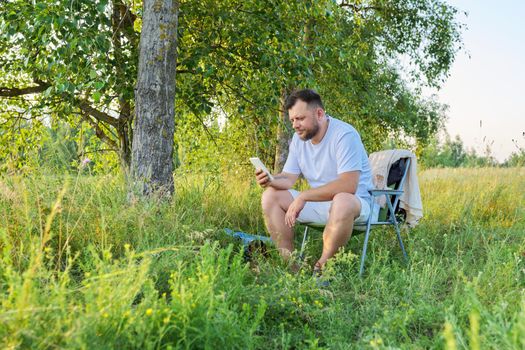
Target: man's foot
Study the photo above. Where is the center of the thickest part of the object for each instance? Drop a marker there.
(317, 271)
(294, 267)
(318, 276)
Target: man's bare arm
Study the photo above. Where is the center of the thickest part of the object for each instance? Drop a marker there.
(346, 182)
(281, 181)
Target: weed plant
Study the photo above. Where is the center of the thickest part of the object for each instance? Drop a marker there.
(84, 266)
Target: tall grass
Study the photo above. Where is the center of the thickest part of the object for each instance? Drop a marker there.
(83, 267)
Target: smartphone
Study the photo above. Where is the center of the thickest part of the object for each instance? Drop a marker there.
(259, 165)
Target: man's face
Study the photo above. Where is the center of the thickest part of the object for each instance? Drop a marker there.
(304, 120)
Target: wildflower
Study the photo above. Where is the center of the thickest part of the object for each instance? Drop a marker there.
(149, 312)
(376, 342)
(127, 246)
(166, 320)
(85, 162)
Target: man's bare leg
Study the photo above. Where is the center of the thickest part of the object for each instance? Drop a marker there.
(345, 209)
(275, 203)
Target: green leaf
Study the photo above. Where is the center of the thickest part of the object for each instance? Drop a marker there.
(101, 7)
(96, 96)
(47, 92)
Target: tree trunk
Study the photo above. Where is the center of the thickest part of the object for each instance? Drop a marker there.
(152, 154)
(122, 23)
(124, 132)
(284, 135)
(285, 131)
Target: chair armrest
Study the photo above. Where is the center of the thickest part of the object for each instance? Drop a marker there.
(388, 192)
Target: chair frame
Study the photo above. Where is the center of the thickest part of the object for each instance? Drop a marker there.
(390, 221)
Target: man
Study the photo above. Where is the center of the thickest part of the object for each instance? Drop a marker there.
(331, 157)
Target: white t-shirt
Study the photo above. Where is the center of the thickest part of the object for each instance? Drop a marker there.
(339, 151)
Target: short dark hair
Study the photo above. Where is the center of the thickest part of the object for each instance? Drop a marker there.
(309, 96)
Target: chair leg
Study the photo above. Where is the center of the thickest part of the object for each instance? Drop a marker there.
(365, 245)
(398, 232)
(303, 245)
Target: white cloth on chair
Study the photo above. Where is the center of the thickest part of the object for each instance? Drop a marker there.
(410, 200)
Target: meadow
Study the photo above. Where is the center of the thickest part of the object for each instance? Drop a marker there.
(84, 266)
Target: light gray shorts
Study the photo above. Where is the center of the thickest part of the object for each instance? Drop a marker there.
(318, 212)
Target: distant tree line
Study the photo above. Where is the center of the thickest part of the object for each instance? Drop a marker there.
(452, 153)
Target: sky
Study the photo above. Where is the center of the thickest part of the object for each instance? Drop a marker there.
(486, 87)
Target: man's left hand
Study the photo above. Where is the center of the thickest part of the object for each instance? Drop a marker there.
(293, 211)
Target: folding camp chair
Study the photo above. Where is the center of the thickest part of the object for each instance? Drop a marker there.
(386, 216)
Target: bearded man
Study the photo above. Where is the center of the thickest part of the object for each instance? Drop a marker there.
(331, 157)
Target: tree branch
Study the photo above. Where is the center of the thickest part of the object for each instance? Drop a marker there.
(13, 92)
(99, 132)
(356, 8)
(125, 18)
(210, 135)
(85, 106)
(99, 150)
(238, 93)
(95, 113)
(182, 71)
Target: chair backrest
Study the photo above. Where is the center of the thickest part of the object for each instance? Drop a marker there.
(396, 172)
(401, 183)
(390, 169)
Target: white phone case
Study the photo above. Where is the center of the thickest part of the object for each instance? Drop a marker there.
(259, 165)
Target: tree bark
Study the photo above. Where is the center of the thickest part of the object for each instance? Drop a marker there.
(152, 153)
(125, 135)
(285, 131)
(122, 20)
(284, 135)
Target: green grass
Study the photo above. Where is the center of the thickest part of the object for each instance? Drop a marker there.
(84, 267)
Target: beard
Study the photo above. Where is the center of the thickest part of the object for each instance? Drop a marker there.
(309, 134)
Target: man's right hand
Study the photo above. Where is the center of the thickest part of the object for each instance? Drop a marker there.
(262, 178)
